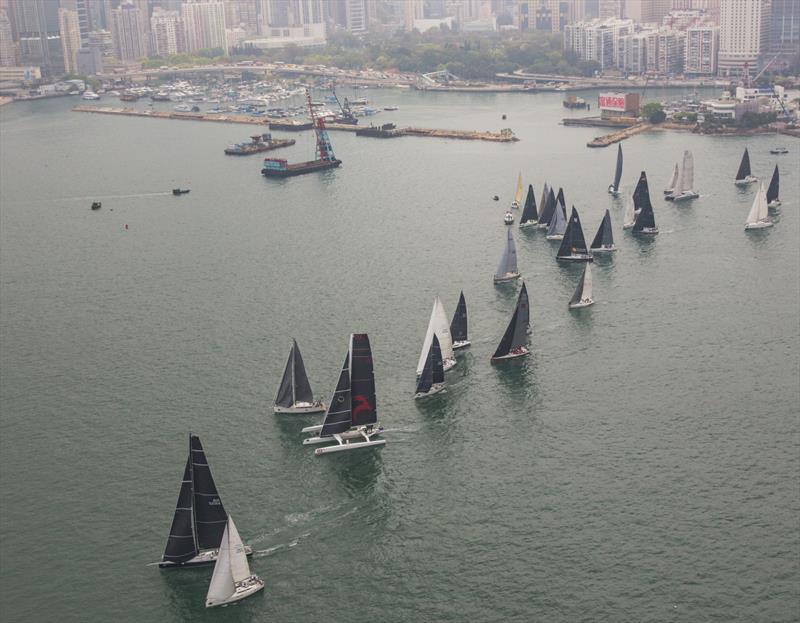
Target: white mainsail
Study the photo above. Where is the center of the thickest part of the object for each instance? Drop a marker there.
(518, 195)
(687, 173)
(440, 325)
(222, 582)
(673, 180)
(759, 209)
(587, 283)
(238, 557)
(629, 218)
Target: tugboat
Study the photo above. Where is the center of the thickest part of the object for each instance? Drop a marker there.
(573, 102)
(257, 144)
(325, 159)
(179, 191)
(127, 96)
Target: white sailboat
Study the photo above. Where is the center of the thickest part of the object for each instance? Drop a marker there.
(507, 268)
(583, 293)
(684, 189)
(518, 194)
(439, 326)
(673, 181)
(758, 218)
(232, 580)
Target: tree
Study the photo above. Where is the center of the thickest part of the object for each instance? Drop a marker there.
(653, 112)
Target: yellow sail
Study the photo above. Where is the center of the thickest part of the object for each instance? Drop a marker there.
(518, 196)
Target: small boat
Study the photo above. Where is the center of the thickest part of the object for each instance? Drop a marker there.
(514, 340)
(508, 217)
(613, 188)
(684, 188)
(645, 223)
(583, 293)
(507, 268)
(758, 218)
(438, 326)
(673, 181)
(774, 188)
(90, 95)
(529, 216)
(179, 191)
(558, 223)
(200, 517)
(547, 211)
(574, 102)
(294, 392)
(573, 246)
(778, 151)
(496, 198)
(182, 108)
(629, 216)
(431, 381)
(743, 175)
(458, 325)
(390, 108)
(231, 580)
(604, 238)
(96, 205)
(517, 193)
(351, 418)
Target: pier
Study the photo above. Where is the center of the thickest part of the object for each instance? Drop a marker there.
(621, 135)
(503, 136)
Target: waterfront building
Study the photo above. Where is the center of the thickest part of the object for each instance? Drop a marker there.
(81, 8)
(127, 33)
(69, 32)
(204, 24)
(167, 33)
(632, 51)
(351, 15)
(743, 35)
(670, 52)
(598, 39)
(702, 48)
(20, 75)
(9, 54)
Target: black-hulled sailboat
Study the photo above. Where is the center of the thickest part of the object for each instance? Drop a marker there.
(573, 246)
(514, 340)
(351, 418)
(529, 215)
(294, 392)
(773, 201)
(613, 188)
(583, 292)
(548, 209)
(431, 381)
(744, 175)
(200, 518)
(507, 268)
(458, 327)
(645, 222)
(604, 238)
(558, 223)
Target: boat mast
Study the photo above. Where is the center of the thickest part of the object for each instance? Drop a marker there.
(324, 151)
(294, 347)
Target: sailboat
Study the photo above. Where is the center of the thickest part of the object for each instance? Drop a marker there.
(774, 188)
(560, 200)
(558, 224)
(641, 191)
(613, 188)
(673, 181)
(573, 246)
(543, 199)
(507, 268)
(629, 216)
(351, 418)
(604, 238)
(549, 206)
(200, 518)
(458, 326)
(645, 222)
(684, 189)
(431, 381)
(232, 580)
(743, 175)
(294, 392)
(758, 218)
(529, 216)
(508, 217)
(514, 339)
(583, 293)
(518, 193)
(437, 325)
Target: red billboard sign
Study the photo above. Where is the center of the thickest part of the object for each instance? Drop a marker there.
(611, 101)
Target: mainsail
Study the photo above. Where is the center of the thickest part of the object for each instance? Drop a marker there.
(560, 200)
(548, 209)
(337, 417)
(673, 181)
(508, 261)
(433, 372)
(558, 223)
(438, 325)
(209, 514)
(529, 211)
(543, 200)
(629, 217)
(645, 219)
(584, 289)
(618, 170)
(641, 193)
(573, 242)
(604, 236)
(458, 326)
(285, 397)
(759, 210)
(362, 381)
(294, 385)
(516, 334)
(182, 543)
(744, 166)
(518, 193)
(774, 186)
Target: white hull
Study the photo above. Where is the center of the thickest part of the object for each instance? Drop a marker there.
(556, 237)
(581, 257)
(435, 389)
(514, 205)
(244, 589)
(354, 433)
(778, 152)
(506, 277)
(508, 221)
(612, 192)
(206, 557)
(461, 344)
(627, 225)
(311, 429)
(748, 180)
(758, 225)
(529, 224)
(774, 204)
(349, 446)
(603, 249)
(521, 353)
(647, 231)
(580, 304)
(689, 194)
(449, 364)
(302, 407)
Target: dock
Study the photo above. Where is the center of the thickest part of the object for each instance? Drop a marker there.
(503, 136)
(616, 137)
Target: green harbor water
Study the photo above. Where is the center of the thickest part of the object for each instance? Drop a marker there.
(641, 465)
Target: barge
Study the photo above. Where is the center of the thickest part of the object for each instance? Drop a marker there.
(257, 144)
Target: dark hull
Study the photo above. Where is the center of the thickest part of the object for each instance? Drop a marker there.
(257, 149)
(302, 167)
(291, 127)
(378, 133)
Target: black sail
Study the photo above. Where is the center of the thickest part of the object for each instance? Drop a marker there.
(618, 171)
(578, 295)
(549, 208)
(560, 200)
(302, 388)
(529, 211)
(516, 333)
(774, 186)
(285, 397)
(209, 514)
(744, 166)
(181, 543)
(604, 236)
(642, 192)
(646, 218)
(543, 200)
(337, 417)
(433, 372)
(458, 327)
(362, 381)
(573, 241)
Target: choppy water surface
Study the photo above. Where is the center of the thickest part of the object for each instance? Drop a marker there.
(641, 465)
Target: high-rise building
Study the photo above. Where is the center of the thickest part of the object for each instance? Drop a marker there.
(785, 35)
(36, 27)
(702, 48)
(549, 15)
(743, 35)
(632, 52)
(709, 7)
(8, 48)
(670, 51)
(647, 11)
(167, 33)
(412, 10)
(127, 33)
(70, 35)
(597, 40)
(356, 19)
(610, 8)
(204, 23)
(81, 7)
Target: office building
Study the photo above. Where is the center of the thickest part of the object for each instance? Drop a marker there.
(127, 33)
(167, 33)
(69, 32)
(785, 31)
(743, 35)
(35, 24)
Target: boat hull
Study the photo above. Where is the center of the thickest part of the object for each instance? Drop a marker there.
(746, 181)
(604, 249)
(349, 446)
(206, 557)
(513, 355)
(579, 257)
(581, 304)
(301, 168)
(249, 587)
(449, 364)
(506, 278)
(354, 433)
(684, 196)
(555, 237)
(647, 231)
(461, 344)
(774, 204)
(302, 407)
(528, 224)
(435, 389)
(759, 225)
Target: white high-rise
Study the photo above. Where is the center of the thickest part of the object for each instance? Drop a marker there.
(743, 35)
(702, 48)
(204, 22)
(166, 28)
